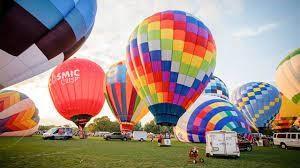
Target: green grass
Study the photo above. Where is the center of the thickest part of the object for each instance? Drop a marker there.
(94, 152)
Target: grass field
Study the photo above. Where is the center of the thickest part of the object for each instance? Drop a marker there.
(94, 152)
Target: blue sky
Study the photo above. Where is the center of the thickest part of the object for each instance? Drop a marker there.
(251, 43)
(252, 37)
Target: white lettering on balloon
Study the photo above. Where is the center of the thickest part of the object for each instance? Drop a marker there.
(67, 77)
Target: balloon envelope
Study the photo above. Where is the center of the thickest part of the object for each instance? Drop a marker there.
(122, 97)
(18, 114)
(289, 111)
(38, 35)
(170, 58)
(288, 76)
(76, 88)
(209, 113)
(258, 101)
(216, 87)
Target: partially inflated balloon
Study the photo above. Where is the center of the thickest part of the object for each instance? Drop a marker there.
(76, 88)
(36, 35)
(287, 115)
(170, 58)
(209, 113)
(18, 114)
(259, 102)
(122, 97)
(297, 122)
(288, 76)
(216, 87)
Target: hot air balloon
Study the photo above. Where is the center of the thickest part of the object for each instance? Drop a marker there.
(216, 87)
(258, 101)
(288, 76)
(171, 56)
(297, 122)
(122, 98)
(209, 113)
(287, 115)
(38, 35)
(18, 114)
(76, 89)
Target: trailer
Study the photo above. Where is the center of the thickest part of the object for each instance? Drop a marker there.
(140, 135)
(222, 143)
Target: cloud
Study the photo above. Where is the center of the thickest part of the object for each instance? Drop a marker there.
(252, 32)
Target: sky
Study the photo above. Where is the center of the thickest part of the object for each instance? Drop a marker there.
(252, 37)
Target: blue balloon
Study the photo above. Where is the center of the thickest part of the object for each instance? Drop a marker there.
(216, 87)
(258, 101)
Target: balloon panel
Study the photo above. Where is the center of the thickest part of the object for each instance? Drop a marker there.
(18, 114)
(209, 113)
(287, 115)
(76, 88)
(50, 32)
(216, 87)
(170, 58)
(288, 76)
(122, 97)
(258, 101)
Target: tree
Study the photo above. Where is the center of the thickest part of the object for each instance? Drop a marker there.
(91, 128)
(103, 124)
(152, 127)
(45, 127)
(138, 127)
(156, 129)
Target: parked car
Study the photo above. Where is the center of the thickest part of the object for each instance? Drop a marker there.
(58, 133)
(244, 144)
(140, 135)
(288, 139)
(222, 143)
(117, 135)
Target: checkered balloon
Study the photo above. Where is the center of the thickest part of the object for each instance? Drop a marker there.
(259, 102)
(170, 57)
(216, 87)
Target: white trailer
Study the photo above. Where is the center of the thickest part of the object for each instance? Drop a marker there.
(140, 135)
(222, 143)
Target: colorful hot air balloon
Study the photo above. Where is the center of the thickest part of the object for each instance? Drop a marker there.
(258, 101)
(76, 89)
(216, 87)
(288, 76)
(287, 115)
(209, 113)
(38, 35)
(170, 57)
(297, 122)
(18, 114)
(122, 98)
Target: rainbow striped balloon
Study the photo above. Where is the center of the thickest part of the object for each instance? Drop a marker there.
(170, 57)
(209, 113)
(18, 114)
(122, 98)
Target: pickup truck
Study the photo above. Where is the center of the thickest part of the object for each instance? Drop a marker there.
(117, 135)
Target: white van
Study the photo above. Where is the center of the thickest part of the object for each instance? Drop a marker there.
(288, 139)
(222, 143)
(58, 133)
(140, 135)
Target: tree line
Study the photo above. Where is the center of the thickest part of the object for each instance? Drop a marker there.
(104, 124)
